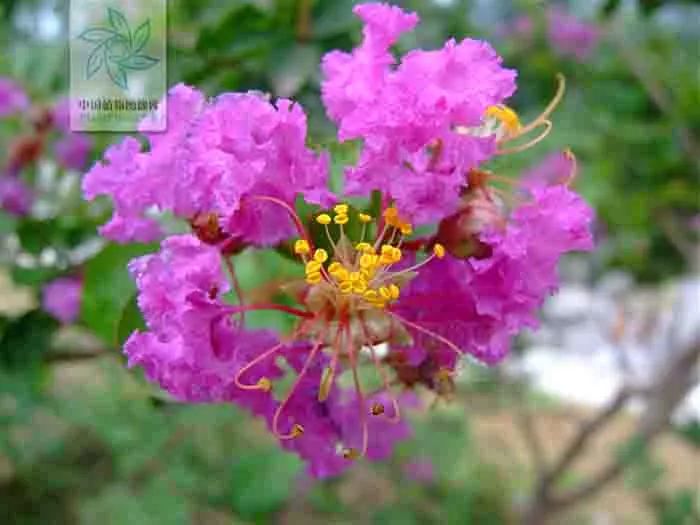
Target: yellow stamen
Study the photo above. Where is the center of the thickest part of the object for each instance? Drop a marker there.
(313, 266)
(301, 247)
(506, 116)
(439, 250)
(321, 255)
(341, 209)
(341, 219)
(324, 219)
(297, 430)
(313, 278)
(364, 218)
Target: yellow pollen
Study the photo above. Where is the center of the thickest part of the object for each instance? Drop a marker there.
(324, 218)
(364, 247)
(297, 430)
(359, 287)
(334, 267)
(345, 287)
(313, 278)
(351, 453)
(301, 246)
(313, 267)
(394, 291)
(385, 293)
(377, 409)
(364, 218)
(439, 250)
(264, 384)
(341, 209)
(506, 116)
(367, 260)
(371, 295)
(341, 219)
(406, 229)
(321, 255)
(355, 276)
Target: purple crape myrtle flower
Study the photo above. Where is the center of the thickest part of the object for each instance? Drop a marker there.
(16, 197)
(13, 99)
(371, 293)
(61, 298)
(73, 150)
(556, 168)
(570, 36)
(214, 161)
(411, 115)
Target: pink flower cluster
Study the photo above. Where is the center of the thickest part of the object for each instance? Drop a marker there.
(404, 111)
(234, 166)
(215, 155)
(61, 298)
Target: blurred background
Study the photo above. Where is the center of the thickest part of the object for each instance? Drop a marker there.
(596, 417)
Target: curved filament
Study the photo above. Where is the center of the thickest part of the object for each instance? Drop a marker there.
(517, 149)
(296, 429)
(427, 332)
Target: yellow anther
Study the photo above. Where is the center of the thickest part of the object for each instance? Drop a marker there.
(364, 247)
(320, 255)
(394, 291)
(341, 209)
(324, 388)
(506, 116)
(367, 260)
(406, 228)
(364, 218)
(342, 274)
(396, 254)
(439, 250)
(264, 384)
(313, 267)
(351, 453)
(345, 286)
(359, 287)
(341, 219)
(334, 267)
(367, 273)
(377, 409)
(301, 246)
(391, 215)
(371, 295)
(324, 218)
(355, 276)
(297, 430)
(385, 293)
(313, 278)
(386, 249)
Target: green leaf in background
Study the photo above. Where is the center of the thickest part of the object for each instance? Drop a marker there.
(292, 67)
(108, 288)
(25, 340)
(138, 62)
(261, 482)
(130, 320)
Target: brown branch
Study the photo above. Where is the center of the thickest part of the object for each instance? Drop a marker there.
(663, 397)
(304, 21)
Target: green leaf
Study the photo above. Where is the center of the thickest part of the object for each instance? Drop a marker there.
(261, 482)
(292, 66)
(130, 320)
(141, 36)
(96, 35)
(138, 62)
(108, 288)
(119, 23)
(25, 340)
